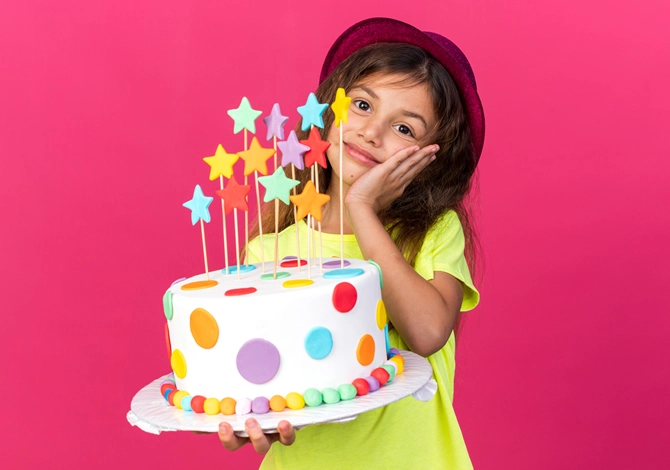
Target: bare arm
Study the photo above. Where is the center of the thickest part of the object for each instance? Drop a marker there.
(423, 312)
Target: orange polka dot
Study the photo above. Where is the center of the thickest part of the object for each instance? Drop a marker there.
(381, 314)
(204, 328)
(365, 352)
(197, 285)
(178, 363)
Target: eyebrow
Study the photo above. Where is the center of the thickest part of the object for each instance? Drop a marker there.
(404, 112)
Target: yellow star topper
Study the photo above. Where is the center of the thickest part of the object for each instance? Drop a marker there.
(221, 163)
(310, 202)
(341, 106)
(255, 159)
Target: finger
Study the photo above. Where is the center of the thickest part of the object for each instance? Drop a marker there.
(259, 440)
(286, 433)
(416, 163)
(228, 438)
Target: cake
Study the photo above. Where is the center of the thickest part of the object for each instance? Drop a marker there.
(258, 343)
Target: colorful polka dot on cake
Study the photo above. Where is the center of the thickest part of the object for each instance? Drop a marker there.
(365, 352)
(318, 342)
(258, 361)
(204, 328)
(344, 297)
(381, 315)
(178, 363)
(167, 304)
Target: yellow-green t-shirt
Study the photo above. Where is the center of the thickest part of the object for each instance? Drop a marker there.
(408, 434)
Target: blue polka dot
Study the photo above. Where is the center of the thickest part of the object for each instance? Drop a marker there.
(244, 268)
(318, 342)
(386, 337)
(343, 273)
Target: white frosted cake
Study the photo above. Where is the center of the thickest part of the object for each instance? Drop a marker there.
(250, 339)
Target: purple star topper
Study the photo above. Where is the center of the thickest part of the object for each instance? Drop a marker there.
(275, 123)
(292, 151)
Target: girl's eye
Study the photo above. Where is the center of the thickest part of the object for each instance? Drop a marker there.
(403, 129)
(362, 105)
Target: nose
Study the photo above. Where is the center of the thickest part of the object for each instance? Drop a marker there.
(371, 131)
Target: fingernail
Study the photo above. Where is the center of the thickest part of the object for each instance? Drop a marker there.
(251, 424)
(436, 148)
(433, 158)
(223, 427)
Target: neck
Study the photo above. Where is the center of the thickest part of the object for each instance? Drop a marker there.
(330, 222)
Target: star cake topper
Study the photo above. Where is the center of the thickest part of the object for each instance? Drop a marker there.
(309, 201)
(221, 163)
(275, 123)
(341, 107)
(292, 151)
(199, 206)
(278, 186)
(234, 195)
(317, 149)
(244, 116)
(312, 112)
(255, 159)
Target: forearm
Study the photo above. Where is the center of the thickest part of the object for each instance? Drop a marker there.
(416, 308)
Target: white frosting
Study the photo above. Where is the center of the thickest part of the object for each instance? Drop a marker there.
(283, 317)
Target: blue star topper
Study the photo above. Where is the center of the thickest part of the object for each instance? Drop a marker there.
(199, 206)
(312, 112)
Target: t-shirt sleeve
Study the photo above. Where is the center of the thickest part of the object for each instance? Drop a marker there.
(443, 250)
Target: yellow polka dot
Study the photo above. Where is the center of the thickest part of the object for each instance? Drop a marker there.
(295, 401)
(178, 363)
(204, 328)
(212, 406)
(178, 397)
(381, 314)
(292, 284)
(365, 352)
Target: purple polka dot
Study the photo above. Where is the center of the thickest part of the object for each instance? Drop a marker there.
(258, 361)
(285, 258)
(335, 264)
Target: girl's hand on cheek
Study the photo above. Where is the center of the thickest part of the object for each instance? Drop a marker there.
(260, 441)
(384, 183)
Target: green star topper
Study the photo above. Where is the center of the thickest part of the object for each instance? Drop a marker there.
(278, 186)
(244, 116)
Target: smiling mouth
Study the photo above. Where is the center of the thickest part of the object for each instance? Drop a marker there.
(360, 155)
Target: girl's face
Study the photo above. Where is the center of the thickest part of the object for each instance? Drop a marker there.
(385, 116)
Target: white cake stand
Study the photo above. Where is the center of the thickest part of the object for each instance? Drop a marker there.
(151, 413)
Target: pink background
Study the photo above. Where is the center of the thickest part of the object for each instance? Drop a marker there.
(107, 109)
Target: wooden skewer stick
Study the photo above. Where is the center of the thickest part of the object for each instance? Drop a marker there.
(246, 213)
(260, 221)
(274, 272)
(316, 170)
(237, 244)
(225, 231)
(204, 247)
(341, 205)
(295, 217)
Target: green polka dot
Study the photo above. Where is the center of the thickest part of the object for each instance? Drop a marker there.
(330, 396)
(270, 276)
(381, 278)
(312, 397)
(347, 391)
(167, 304)
(390, 370)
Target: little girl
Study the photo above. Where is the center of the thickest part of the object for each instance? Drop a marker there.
(411, 145)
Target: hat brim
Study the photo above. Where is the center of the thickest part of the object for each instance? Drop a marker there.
(377, 30)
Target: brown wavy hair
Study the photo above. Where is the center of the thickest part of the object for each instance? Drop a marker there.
(443, 185)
